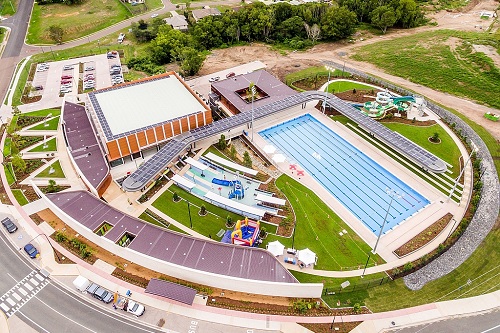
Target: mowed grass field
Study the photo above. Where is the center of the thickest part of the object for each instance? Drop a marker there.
(443, 60)
(76, 20)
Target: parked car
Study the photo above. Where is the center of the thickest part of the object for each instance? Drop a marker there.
(92, 288)
(214, 79)
(65, 81)
(135, 308)
(230, 75)
(90, 68)
(9, 225)
(89, 78)
(67, 67)
(31, 250)
(154, 15)
(38, 87)
(65, 77)
(103, 295)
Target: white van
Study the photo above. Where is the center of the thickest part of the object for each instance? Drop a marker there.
(81, 283)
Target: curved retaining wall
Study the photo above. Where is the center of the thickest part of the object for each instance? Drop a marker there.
(487, 210)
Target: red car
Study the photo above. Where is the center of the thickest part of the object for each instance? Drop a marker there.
(65, 81)
(230, 75)
(66, 77)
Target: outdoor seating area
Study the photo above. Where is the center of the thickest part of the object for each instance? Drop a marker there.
(303, 258)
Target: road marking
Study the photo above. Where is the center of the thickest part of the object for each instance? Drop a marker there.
(16, 296)
(33, 322)
(4, 307)
(490, 329)
(14, 292)
(39, 277)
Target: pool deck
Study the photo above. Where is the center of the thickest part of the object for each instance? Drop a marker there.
(391, 240)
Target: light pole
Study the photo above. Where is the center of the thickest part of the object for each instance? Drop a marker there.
(326, 90)
(48, 240)
(392, 194)
(189, 212)
(252, 90)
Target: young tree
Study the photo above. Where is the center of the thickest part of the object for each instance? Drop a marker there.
(52, 187)
(232, 152)
(56, 33)
(18, 163)
(222, 142)
(384, 17)
(247, 160)
(191, 61)
(338, 23)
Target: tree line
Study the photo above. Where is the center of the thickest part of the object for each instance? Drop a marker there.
(296, 27)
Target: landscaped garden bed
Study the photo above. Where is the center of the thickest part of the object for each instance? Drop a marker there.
(343, 327)
(424, 237)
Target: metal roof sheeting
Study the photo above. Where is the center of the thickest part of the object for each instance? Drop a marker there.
(171, 290)
(232, 165)
(270, 199)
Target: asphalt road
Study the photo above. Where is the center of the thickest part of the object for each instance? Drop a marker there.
(53, 309)
(483, 323)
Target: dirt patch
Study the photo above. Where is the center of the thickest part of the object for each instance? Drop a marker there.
(328, 328)
(489, 51)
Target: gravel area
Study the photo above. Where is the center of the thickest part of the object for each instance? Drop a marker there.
(487, 210)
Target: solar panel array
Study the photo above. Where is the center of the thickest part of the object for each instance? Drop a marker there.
(172, 149)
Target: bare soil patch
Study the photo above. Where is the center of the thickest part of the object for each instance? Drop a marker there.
(327, 328)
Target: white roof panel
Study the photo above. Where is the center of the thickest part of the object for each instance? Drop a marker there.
(220, 160)
(270, 199)
(196, 164)
(183, 181)
(130, 107)
(237, 205)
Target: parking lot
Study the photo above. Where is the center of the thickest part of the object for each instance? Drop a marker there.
(64, 76)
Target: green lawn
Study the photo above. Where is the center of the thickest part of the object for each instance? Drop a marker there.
(18, 91)
(208, 225)
(318, 229)
(43, 113)
(9, 173)
(51, 146)
(2, 33)
(7, 148)
(58, 172)
(341, 86)
(76, 20)
(443, 60)
(19, 195)
(7, 7)
(174, 228)
(51, 125)
(447, 150)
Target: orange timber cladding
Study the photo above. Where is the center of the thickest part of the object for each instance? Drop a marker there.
(136, 142)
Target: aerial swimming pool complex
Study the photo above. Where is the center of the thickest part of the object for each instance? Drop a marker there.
(354, 179)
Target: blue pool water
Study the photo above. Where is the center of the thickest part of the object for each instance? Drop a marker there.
(357, 181)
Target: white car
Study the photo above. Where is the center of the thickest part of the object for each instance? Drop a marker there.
(214, 79)
(90, 68)
(135, 308)
(154, 15)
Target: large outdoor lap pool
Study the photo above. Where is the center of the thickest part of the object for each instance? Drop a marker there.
(357, 181)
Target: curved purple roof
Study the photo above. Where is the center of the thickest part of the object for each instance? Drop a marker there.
(208, 256)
